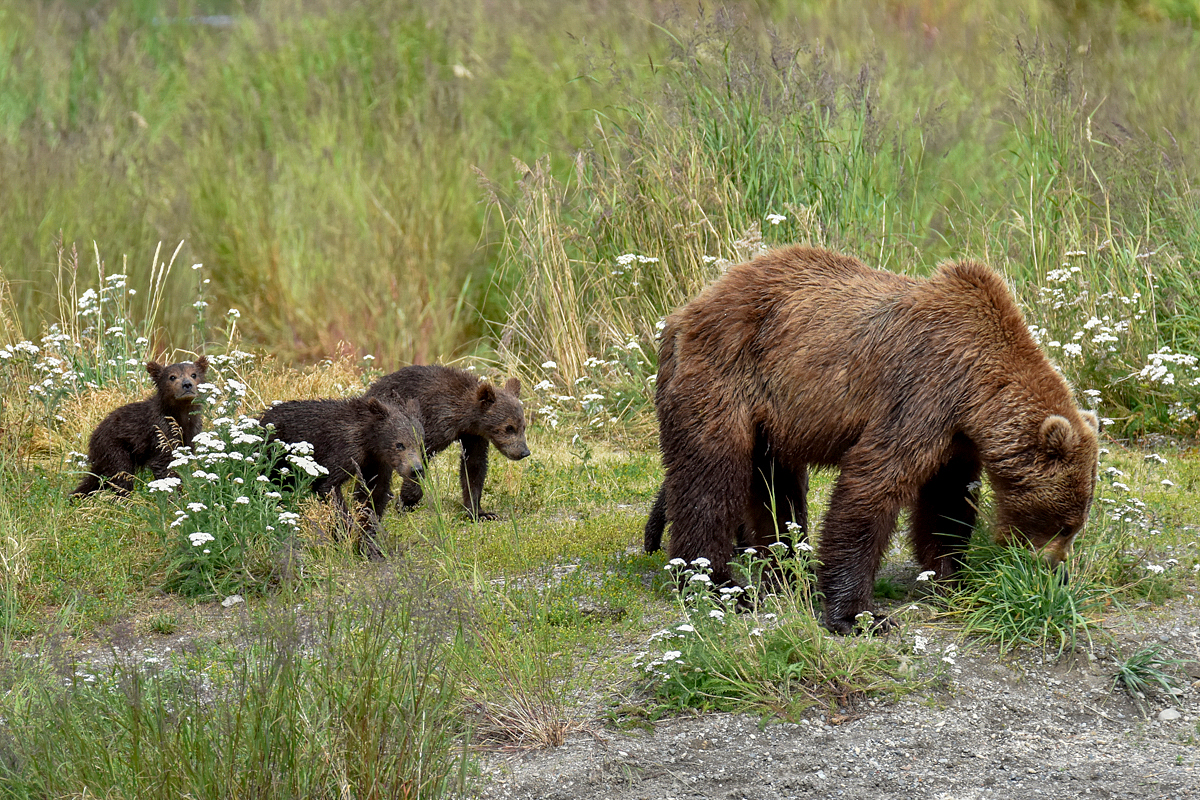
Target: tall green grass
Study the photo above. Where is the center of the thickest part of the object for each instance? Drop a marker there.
(324, 161)
(357, 700)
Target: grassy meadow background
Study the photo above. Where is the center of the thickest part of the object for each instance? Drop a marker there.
(528, 188)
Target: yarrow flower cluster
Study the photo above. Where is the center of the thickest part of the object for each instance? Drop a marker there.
(624, 375)
(1107, 354)
(223, 508)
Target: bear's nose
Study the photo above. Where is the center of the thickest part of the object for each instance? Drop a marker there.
(523, 454)
(418, 469)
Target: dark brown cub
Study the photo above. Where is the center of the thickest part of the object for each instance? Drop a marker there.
(143, 434)
(362, 438)
(458, 406)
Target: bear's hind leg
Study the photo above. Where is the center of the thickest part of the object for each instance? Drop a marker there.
(115, 469)
(943, 517)
(656, 523)
(706, 500)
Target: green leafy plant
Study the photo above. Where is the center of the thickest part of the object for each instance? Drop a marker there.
(1147, 669)
(227, 528)
(772, 657)
(1009, 597)
(359, 694)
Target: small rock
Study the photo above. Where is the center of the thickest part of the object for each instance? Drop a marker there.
(1169, 714)
(232, 600)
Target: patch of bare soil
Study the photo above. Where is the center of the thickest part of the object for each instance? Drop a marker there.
(1020, 726)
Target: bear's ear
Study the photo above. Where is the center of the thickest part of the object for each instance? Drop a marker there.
(154, 369)
(513, 386)
(412, 407)
(201, 364)
(1056, 436)
(1091, 419)
(486, 395)
(378, 407)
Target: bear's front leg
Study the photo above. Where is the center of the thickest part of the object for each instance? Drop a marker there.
(855, 536)
(472, 471)
(329, 489)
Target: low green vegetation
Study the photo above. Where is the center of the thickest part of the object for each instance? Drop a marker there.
(342, 179)
(1148, 669)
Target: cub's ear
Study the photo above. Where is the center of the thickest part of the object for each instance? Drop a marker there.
(486, 395)
(1056, 436)
(378, 407)
(412, 407)
(154, 369)
(201, 363)
(1091, 419)
(513, 386)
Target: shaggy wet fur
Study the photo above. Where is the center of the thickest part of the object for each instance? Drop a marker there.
(910, 388)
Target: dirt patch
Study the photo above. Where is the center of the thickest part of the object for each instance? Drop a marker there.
(1015, 727)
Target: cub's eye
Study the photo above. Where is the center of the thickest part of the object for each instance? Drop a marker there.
(174, 377)
(399, 445)
(510, 429)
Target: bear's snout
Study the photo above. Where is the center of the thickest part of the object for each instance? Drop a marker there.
(1056, 551)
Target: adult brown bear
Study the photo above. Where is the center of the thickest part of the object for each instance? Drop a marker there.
(909, 387)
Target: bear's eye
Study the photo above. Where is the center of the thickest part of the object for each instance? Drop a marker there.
(510, 429)
(399, 445)
(173, 377)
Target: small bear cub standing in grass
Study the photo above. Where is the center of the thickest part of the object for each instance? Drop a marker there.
(457, 405)
(144, 434)
(363, 438)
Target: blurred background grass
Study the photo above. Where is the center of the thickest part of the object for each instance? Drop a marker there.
(345, 170)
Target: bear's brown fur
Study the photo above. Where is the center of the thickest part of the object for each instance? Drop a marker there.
(911, 388)
(143, 434)
(361, 438)
(457, 405)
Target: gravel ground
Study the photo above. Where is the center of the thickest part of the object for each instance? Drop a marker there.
(1013, 727)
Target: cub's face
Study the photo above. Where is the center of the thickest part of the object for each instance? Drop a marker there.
(402, 436)
(1050, 506)
(179, 381)
(504, 419)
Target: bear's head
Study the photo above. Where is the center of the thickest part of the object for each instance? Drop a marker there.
(1046, 507)
(398, 435)
(178, 382)
(502, 417)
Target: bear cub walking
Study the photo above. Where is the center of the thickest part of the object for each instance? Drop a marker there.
(144, 434)
(361, 438)
(911, 388)
(456, 405)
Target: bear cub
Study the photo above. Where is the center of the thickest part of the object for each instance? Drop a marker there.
(144, 434)
(361, 438)
(457, 405)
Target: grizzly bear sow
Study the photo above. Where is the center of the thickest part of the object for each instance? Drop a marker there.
(909, 387)
(143, 434)
(456, 405)
(358, 438)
